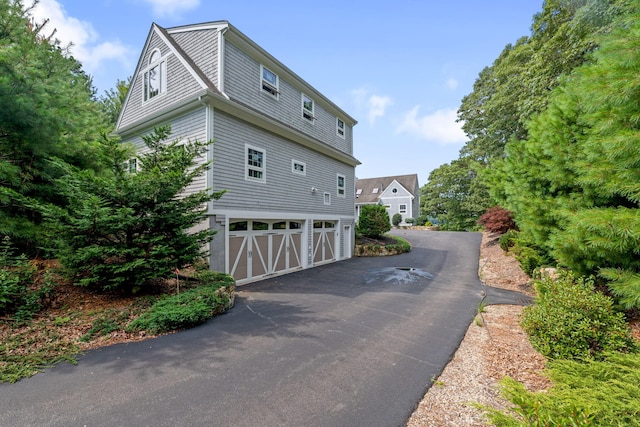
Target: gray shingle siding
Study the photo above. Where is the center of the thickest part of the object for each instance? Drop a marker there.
(190, 126)
(231, 135)
(202, 48)
(243, 83)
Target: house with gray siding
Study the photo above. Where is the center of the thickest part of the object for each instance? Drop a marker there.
(399, 194)
(281, 149)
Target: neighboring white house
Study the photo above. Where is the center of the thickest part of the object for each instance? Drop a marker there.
(399, 194)
(281, 149)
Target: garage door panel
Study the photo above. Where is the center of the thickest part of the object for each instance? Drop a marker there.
(279, 247)
(295, 250)
(238, 257)
(260, 256)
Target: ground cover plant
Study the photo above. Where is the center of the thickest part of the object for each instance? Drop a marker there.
(80, 319)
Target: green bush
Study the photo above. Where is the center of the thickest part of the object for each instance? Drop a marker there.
(410, 221)
(508, 240)
(401, 246)
(396, 219)
(604, 393)
(373, 221)
(571, 320)
(19, 295)
(528, 258)
(189, 308)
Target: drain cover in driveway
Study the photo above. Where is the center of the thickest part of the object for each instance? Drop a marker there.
(397, 275)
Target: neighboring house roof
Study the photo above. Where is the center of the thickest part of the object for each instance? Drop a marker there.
(368, 190)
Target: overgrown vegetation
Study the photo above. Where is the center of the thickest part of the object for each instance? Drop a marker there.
(21, 290)
(396, 219)
(377, 247)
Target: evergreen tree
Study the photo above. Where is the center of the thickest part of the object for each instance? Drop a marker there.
(124, 229)
(47, 112)
(574, 185)
(373, 221)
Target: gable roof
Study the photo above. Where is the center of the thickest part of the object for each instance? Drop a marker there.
(370, 189)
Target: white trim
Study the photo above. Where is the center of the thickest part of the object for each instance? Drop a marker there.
(307, 114)
(343, 129)
(327, 198)
(344, 185)
(295, 162)
(262, 169)
(266, 86)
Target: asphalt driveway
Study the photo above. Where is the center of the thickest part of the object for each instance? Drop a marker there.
(353, 343)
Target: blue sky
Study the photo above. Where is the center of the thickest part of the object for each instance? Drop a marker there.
(400, 68)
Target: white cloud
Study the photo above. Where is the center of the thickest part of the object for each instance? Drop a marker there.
(452, 83)
(377, 106)
(439, 126)
(374, 105)
(86, 46)
(171, 7)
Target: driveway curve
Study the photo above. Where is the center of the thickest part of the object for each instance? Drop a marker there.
(353, 343)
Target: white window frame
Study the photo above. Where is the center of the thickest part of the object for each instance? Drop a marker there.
(295, 163)
(132, 165)
(401, 209)
(327, 198)
(341, 190)
(308, 114)
(157, 63)
(340, 130)
(254, 168)
(268, 87)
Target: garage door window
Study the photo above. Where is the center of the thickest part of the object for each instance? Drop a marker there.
(239, 226)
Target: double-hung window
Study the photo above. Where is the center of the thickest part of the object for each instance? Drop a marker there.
(270, 82)
(341, 186)
(255, 164)
(155, 77)
(403, 209)
(308, 108)
(340, 128)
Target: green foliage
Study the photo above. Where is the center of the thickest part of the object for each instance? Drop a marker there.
(573, 184)
(189, 308)
(17, 364)
(373, 221)
(423, 220)
(396, 219)
(593, 393)
(454, 196)
(47, 113)
(101, 326)
(122, 230)
(571, 320)
(113, 100)
(410, 221)
(401, 246)
(20, 296)
(529, 258)
(508, 240)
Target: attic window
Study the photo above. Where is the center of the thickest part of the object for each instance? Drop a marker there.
(340, 128)
(395, 190)
(358, 191)
(155, 77)
(308, 108)
(270, 82)
(375, 190)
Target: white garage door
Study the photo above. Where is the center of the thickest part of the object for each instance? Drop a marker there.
(259, 248)
(324, 241)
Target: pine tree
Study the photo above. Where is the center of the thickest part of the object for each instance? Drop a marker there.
(122, 229)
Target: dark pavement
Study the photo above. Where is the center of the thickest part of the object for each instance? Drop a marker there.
(353, 343)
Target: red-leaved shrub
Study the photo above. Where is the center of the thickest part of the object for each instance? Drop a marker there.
(497, 220)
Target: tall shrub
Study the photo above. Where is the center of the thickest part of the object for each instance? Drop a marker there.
(124, 229)
(373, 221)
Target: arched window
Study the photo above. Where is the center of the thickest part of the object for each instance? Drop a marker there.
(155, 78)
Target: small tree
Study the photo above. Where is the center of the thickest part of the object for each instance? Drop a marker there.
(373, 221)
(124, 229)
(396, 219)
